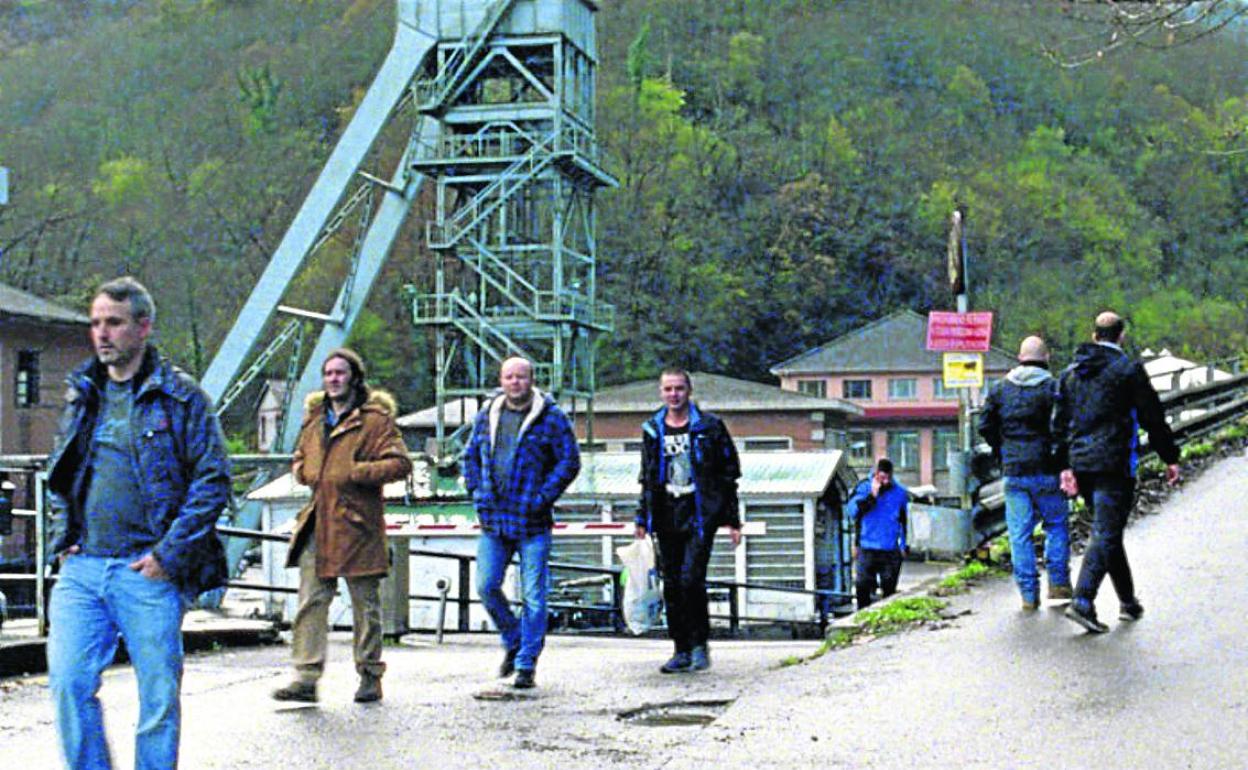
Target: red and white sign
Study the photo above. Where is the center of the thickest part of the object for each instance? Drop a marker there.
(959, 332)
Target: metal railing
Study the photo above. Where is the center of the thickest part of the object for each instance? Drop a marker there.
(565, 612)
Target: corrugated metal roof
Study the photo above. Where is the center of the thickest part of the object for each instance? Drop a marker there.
(14, 301)
(894, 343)
(789, 474)
(718, 394)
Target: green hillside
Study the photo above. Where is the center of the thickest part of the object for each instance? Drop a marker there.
(788, 168)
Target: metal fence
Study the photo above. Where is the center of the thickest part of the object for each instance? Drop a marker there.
(604, 616)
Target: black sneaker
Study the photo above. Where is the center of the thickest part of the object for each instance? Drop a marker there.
(679, 664)
(508, 666)
(1085, 618)
(1131, 610)
(524, 679)
(700, 658)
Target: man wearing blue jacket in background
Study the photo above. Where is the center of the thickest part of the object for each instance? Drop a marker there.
(879, 507)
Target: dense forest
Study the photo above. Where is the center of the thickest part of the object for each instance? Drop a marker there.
(787, 170)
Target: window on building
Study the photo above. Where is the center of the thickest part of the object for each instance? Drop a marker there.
(940, 392)
(817, 388)
(856, 389)
(903, 389)
(858, 443)
(944, 441)
(27, 377)
(903, 449)
(778, 444)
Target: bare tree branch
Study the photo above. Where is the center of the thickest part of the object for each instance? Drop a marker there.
(1151, 24)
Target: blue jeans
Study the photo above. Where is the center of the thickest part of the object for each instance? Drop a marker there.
(526, 634)
(1029, 500)
(1109, 498)
(94, 599)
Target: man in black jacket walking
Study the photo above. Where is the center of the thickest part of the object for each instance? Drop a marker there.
(689, 472)
(1105, 397)
(1016, 421)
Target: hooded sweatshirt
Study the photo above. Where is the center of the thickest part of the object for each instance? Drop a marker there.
(1017, 421)
(1103, 400)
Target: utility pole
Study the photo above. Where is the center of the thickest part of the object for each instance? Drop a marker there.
(959, 285)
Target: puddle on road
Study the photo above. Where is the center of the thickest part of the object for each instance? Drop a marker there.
(694, 713)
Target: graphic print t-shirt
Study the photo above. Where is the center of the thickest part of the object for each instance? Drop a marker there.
(680, 483)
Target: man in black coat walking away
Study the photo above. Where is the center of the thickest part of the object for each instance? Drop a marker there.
(1104, 398)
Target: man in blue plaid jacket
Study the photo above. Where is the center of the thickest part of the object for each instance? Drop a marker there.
(521, 457)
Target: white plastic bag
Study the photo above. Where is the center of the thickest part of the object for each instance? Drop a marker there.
(643, 599)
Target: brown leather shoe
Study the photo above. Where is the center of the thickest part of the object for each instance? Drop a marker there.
(1061, 593)
(300, 692)
(369, 690)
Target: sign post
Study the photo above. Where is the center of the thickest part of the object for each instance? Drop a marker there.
(962, 332)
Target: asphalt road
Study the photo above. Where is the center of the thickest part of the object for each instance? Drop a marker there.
(992, 687)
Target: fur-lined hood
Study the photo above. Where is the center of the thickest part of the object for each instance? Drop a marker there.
(378, 401)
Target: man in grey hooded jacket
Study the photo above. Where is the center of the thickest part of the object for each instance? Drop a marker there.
(1017, 422)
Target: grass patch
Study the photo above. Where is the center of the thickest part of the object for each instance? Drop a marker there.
(961, 581)
(900, 614)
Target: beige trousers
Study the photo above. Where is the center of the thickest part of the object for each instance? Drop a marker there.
(311, 626)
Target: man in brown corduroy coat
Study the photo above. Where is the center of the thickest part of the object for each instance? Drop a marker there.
(349, 447)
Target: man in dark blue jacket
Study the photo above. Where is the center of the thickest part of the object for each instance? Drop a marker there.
(689, 472)
(879, 506)
(521, 457)
(1104, 398)
(1017, 422)
(137, 478)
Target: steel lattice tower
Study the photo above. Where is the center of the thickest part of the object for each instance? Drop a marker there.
(511, 86)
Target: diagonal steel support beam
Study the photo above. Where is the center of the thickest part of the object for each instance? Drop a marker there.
(382, 231)
(379, 103)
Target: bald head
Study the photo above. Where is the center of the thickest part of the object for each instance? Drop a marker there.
(515, 377)
(1109, 327)
(1033, 349)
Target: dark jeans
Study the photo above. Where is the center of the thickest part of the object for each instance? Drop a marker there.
(683, 557)
(876, 567)
(1109, 498)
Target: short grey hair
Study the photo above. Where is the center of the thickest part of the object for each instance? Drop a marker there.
(129, 290)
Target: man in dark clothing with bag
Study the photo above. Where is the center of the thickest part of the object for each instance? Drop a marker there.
(689, 472)
(1017, 422)
(349, 448)
(1104, 398)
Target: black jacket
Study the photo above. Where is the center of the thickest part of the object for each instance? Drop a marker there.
(1104, 398)
(1017, 422)
(716, 469)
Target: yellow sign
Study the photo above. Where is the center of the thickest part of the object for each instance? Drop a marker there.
(963, 370)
